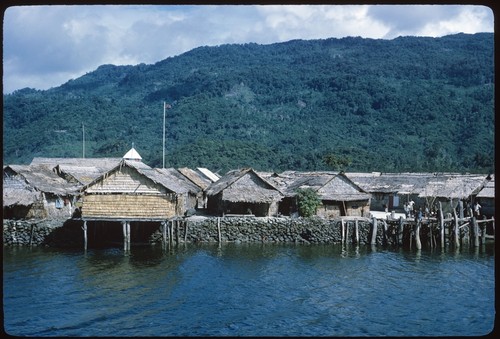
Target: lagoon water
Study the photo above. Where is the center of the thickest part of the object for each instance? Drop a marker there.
(249, 290)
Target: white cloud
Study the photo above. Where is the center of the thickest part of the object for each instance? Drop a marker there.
(44, 46)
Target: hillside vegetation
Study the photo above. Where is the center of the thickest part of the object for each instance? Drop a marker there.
(407, 104)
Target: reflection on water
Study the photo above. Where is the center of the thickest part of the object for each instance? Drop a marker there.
(249, 289)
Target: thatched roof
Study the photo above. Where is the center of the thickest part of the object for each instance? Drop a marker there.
(43, 179)
(82, 174)
(401, 183)
(446, 185)
(488, 191)
(196, 177)
(16, 191)
(176, 181)
(245, 185)
(453, 186)
(104, 163)
(170, 179)
(329, 185)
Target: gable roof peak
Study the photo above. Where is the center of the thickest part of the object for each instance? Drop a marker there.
(132, 154)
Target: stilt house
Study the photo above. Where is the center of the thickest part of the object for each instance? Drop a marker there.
(35, 191)
(134, 191)
(339, 195)
(390, 191)
(486, 197)
(243, 192)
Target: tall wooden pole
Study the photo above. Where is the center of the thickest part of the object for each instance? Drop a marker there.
(83, 140)
(164, 113)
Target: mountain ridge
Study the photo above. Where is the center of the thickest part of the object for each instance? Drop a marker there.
(419, 104)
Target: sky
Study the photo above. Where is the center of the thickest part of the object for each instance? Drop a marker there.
(46, 46)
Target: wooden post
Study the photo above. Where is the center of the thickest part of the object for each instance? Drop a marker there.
(385, 232)
(456, 230)
(128, 235)
(400, 231)
(218, 230)
(475, 227)
(356, 229)
(171, 233)
(483, 232)
(164, 233)
(441, 224)
(177, 232)
(346, 232)
(31, 234)
(85, 235)
(124, 229)
(342, 230)
(374, 231)
(185, 230)
(418, 244)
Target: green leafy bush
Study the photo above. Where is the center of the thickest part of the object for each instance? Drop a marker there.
(307, 201)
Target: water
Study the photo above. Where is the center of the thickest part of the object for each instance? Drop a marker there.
(248, 290)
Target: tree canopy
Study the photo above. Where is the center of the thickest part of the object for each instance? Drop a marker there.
(407, 104)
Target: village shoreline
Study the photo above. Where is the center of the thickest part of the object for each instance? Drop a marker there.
(59, 233)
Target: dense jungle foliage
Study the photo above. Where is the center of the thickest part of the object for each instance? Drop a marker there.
(407, 104)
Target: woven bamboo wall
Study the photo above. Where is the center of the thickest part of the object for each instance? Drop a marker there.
(127, 206)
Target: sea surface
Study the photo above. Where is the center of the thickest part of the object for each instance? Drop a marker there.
(249, 290)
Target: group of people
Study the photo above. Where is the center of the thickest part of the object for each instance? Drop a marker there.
(411, 210)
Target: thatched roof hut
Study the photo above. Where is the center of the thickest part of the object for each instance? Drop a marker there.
(422, 188)
(488, 190)
(241, 192)
(451, 186)
(35, 191)
(339, 195)
(16, 190)
(133, 190)
(486, 197)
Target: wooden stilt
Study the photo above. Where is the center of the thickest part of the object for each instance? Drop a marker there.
(475, 227)
(346, 232)
(185, 230)
(356, 229)
(31, 234)
(164, 233)
(128, 235)
(218, 230)
(456, 230)
(124, 229)
(441, 224)
(418, 244)
(171, 233)
(374, 231)
(342, 230)
(177, 232)
(385, 232)
(483, 233)
(85, 235)
(400, 231)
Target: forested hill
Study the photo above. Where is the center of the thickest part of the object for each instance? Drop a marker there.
(407, 104)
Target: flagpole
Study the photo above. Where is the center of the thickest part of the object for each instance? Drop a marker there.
(164, 112)
(83, 138)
